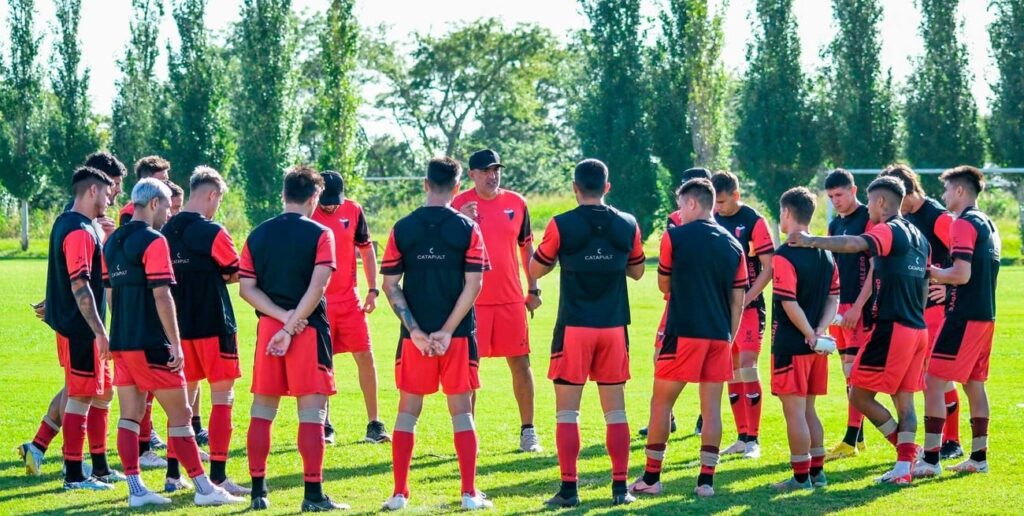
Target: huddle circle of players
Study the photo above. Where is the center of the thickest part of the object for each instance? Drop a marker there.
(902, 288)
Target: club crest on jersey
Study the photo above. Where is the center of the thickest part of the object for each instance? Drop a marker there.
(510, 213)
(344, 222)
(739, 230)
(430, 255)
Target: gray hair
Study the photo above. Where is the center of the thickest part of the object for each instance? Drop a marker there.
(148, 189)
(204, 175)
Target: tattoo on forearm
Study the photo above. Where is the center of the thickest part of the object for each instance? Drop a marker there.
(87, 306)
(397, 299)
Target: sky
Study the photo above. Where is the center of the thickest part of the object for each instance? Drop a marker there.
(105, 30)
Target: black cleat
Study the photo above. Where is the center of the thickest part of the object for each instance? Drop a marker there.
(559, 501)
(203, 437)
(951, 450)
(699, 426)
(672, 428)
(324, 505)
(623, 499)
(328, 434)
(259, 503)
(377, 433)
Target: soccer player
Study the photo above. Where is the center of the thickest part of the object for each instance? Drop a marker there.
(805, 296)
(934, 222)
(150, 166)
(346, 313)
(751, 230)
(701, 267)
(145, 344)
(502, 330)
(598, 247)
(893, 360)
(286, 264)
(853, 328)
(963, 345)
(204, 262)
(177, 197)
(433, 269)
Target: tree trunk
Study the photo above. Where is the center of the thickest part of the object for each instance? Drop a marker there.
(1019, 194)
(24, 225)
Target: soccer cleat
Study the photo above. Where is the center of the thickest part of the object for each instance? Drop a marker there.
(697, 430)
(951, 450)
(112, 477)
(890, 477)
(259, 503)
(623, 499)
(476, 502)
(377, 433)
(203, 437)
(395, 503)
(203, 456)
(819, 480)
(970, 466)
(641, 487)
(329, 434)
(671, 428)
(559, 501)
(753, 450)
(155, 442)
(923, 469)
(32, 457)
(216, 496)
(528, 441)
(324, 505)
(151, 460)
(150, 498)
(234, 488)
(861, 446)
(704, 491)
(841, 451)
(792, 484)
(86, 469)
(89, 484)
(176, 484)
(736, 448)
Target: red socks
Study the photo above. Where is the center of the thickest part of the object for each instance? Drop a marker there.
(183, 441)
(752, 402)
(47, 431)
(567, 440)
(738, 405)
(655, 457)
(801, 465)
(220, 432)
(96, 429)
(128, 445)
(466, 450)
(853, 416)
(311, 448)
(74, 429)
(402, 442)
(146, 424)
(951, 430)
(257, 442)
(616, 440)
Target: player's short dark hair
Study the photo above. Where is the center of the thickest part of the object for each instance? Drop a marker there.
(203, 176)
(591, 177)
(725, 182)
(85, 177)
(911, 183)
(442, 173)
(301, 183)
(695, 173)
(176, 190)
(965, 175)
(889, 184)
(700, 189)
(107, 163)
(151, 165)
(839, 178)
(800, 202)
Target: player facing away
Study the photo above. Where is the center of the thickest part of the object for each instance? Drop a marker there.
(598, 247)
(502, 330)
(805, 296)
(751, 230)
(963, 346)
(702, 269)
(146, 346)
(892, 362)
(285, 266)
(934, 222)
(345, 311)
(433, 269)
(852, 329)
(205, 262)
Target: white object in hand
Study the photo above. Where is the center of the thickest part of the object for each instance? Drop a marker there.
(837, 320)
(825, 344)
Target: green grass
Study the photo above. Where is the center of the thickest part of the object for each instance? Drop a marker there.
(360, 473)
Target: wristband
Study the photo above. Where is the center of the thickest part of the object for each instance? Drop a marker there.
(373, 291)
(534, 292)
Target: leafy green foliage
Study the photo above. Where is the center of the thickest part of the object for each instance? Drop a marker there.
(136, 130)
(25, 124)
(337, 96)
(1006, 125)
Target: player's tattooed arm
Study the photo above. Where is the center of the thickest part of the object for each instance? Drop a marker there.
(836, 244)
(396, 298)
(87, 306)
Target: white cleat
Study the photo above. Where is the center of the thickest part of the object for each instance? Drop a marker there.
(172, 485)
(970, 466)
(89, 484)
(641, 487)
(923, 469)
(736, 448)
(217, 496)
(476, 502)
(32, 457)
(704, 491)
(151, 460)
(233, 488)
(150, 498)
(529, 442)
(395, 503)
(753, 450)
(203, 456)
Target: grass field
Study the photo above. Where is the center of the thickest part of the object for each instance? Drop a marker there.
(359, 474)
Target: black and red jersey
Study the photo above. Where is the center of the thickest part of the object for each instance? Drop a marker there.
(934, 222)
(807, 276)
(126, 214)
(594, 245)
(750, 229)
(853, 267)
(705, 263)
(433, 248)
(976, 240)
(674, 219)
(202, 252)
(900, 254)
(138, 261)
(75, 253)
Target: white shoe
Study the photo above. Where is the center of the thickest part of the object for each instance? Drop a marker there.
(528, 441)
(736, 448)
(151, 460)
(476, 502)
(217, 496)
(172, 485)
(233, 488)
(704, 491)
(150, 498)
(395, 503)
(32, 457)
(641, 487)
(970, 466)
(753, 450)
(203, 456)
(922, 469)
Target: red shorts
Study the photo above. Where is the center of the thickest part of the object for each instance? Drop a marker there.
(600, 354)
(849, 341)
(349, 331)
(502, 331)
(147, 370)
(802, 375)
(85, 375)
(751, 331)
(933, 317)
(893, 360)
(307, 367)
(456, 371)
(212, 358)
(694, 361)
(962, 349)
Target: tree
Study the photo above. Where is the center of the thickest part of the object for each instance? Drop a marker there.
(610, 117)
(775, 142)
(135, 120)
(337, 97)
(1006, 124)
(941, 115)
(264, 42)
(25, 125)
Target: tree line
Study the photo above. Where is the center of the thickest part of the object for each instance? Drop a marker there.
(282, 87)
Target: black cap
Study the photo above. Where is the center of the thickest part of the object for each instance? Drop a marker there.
(334, 186)
(696, 173)
(484, 159)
